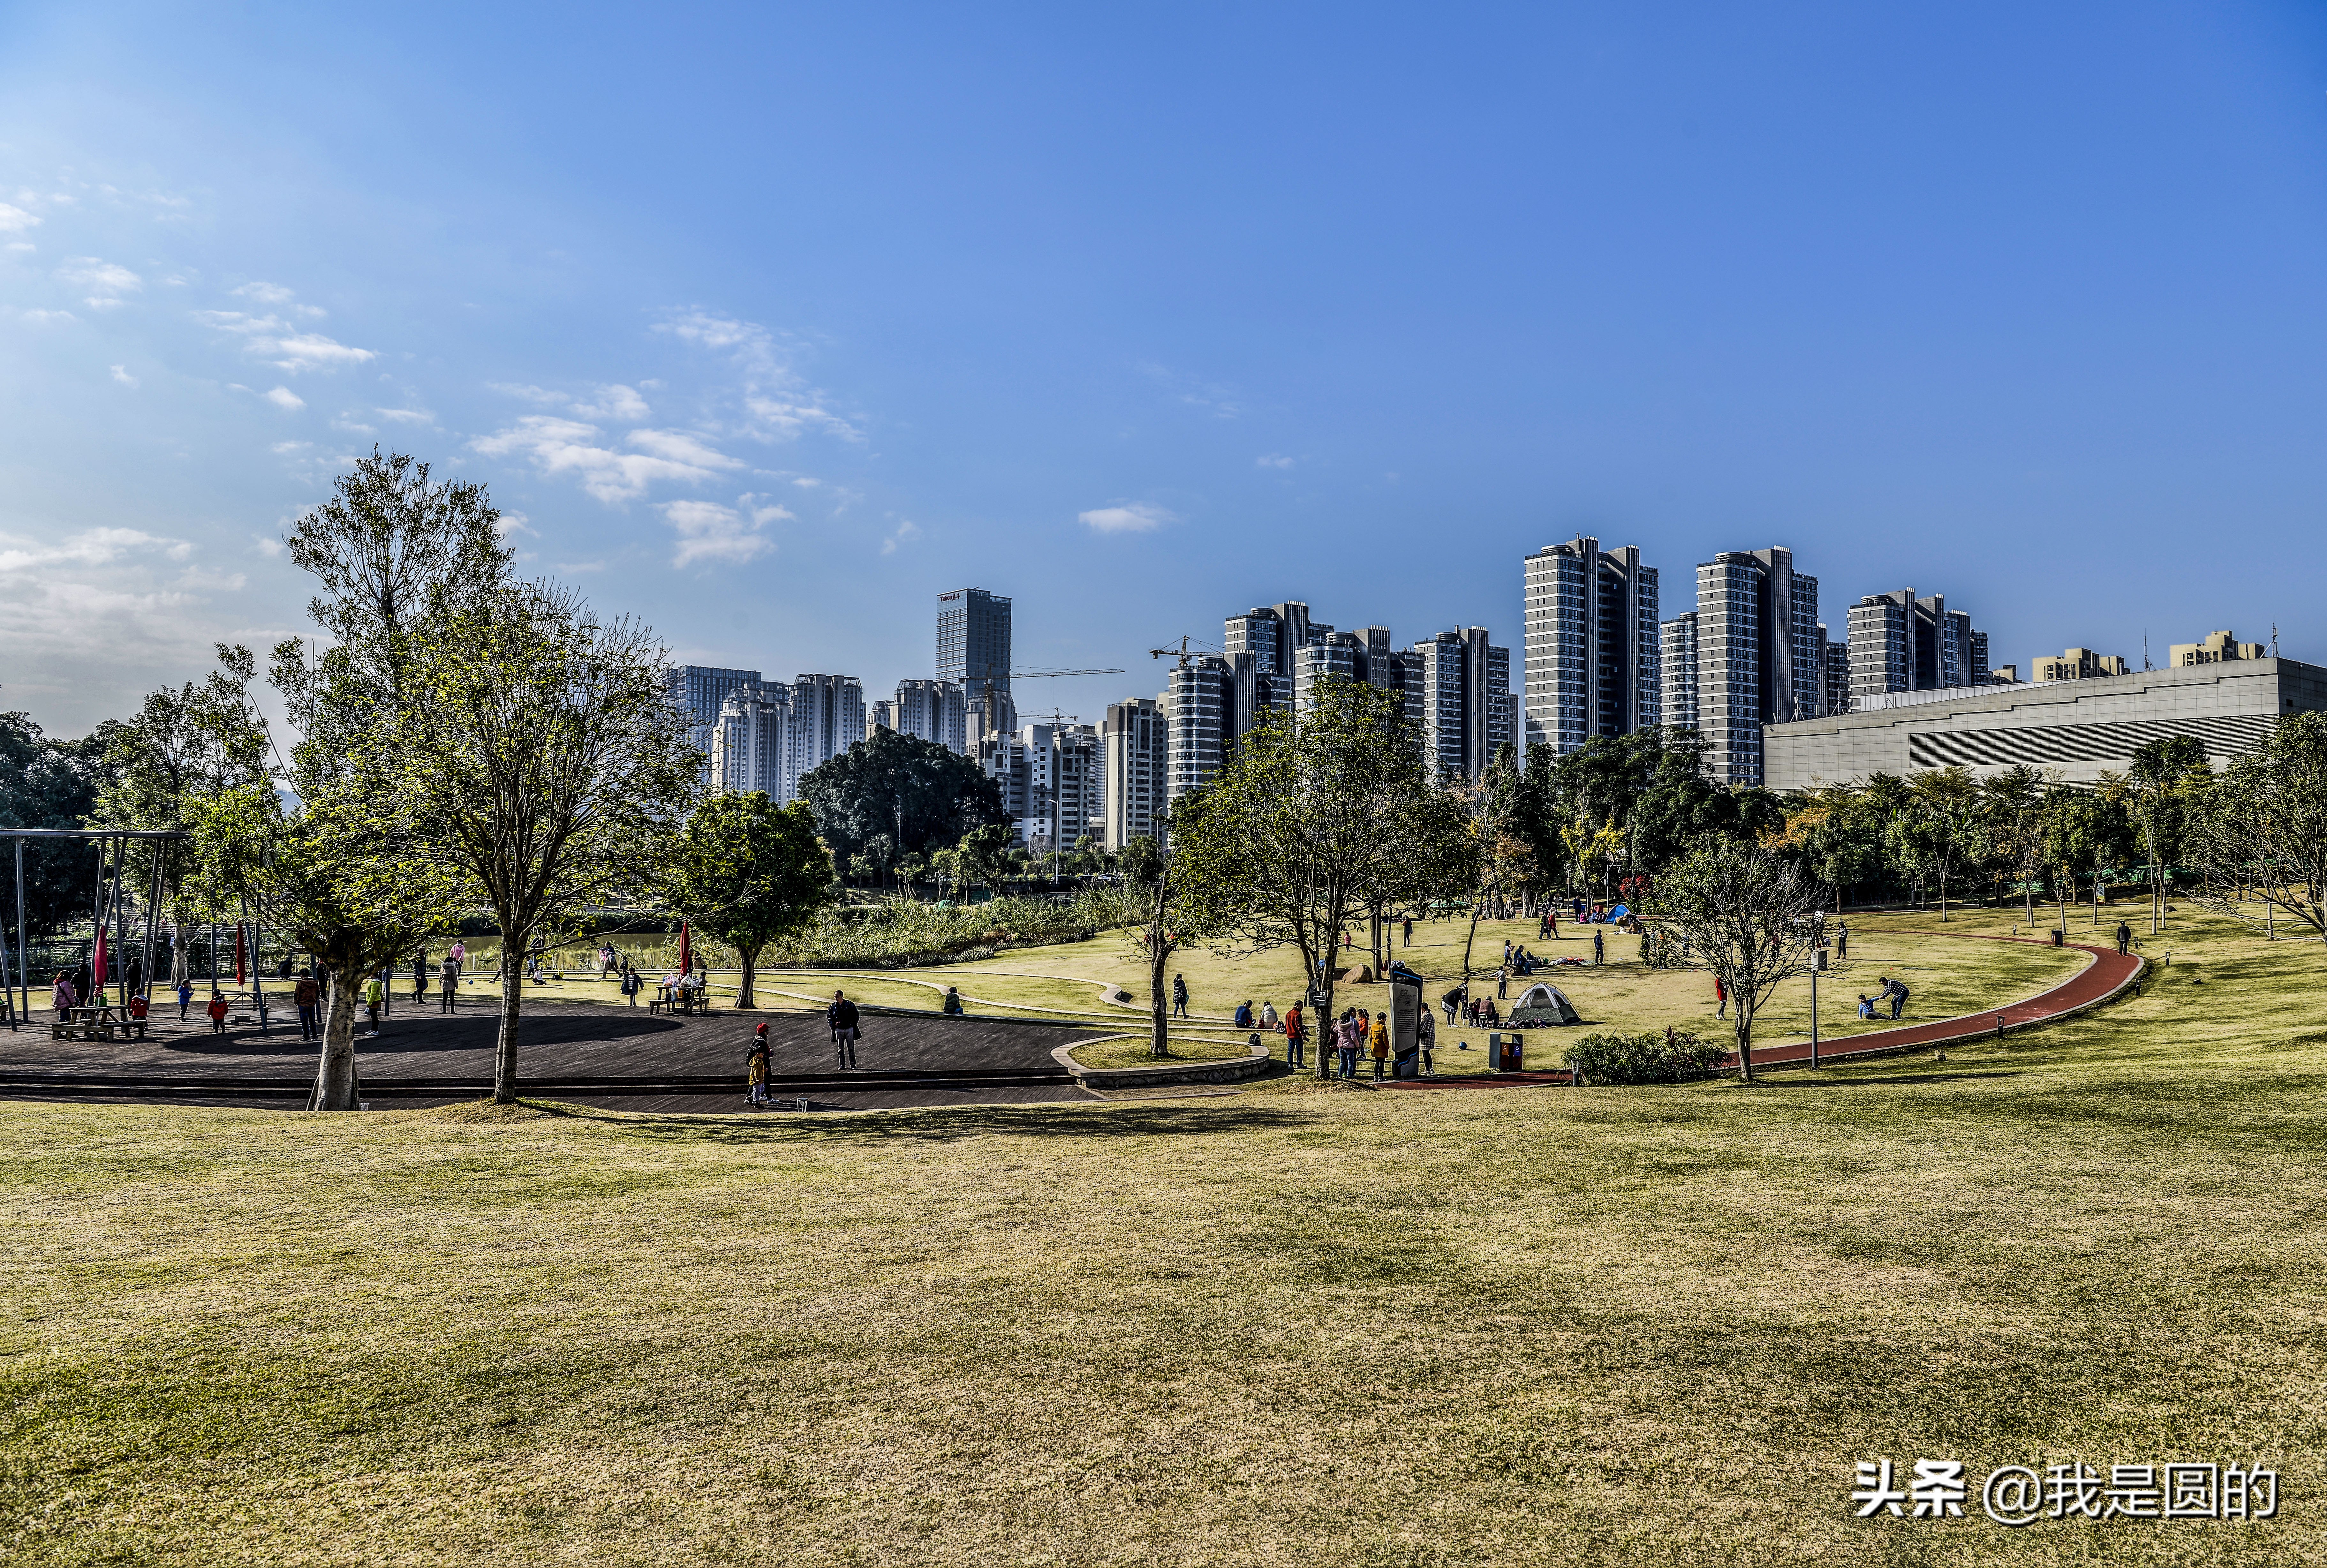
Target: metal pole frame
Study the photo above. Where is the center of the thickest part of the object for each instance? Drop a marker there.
(23, 976)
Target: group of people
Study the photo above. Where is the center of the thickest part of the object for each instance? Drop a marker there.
(1893, 990)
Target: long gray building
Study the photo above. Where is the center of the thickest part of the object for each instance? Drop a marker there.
(2080, 727)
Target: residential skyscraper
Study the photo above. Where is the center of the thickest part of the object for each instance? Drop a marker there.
(1593, 663)
(1760, 658)
(699, 690)
(1199, 708)
(752, 746)
(1835, 697)
(1131, 771)
(1900, 643)
(828, 718)
(1049, 777)
(933, 710)
(1466, 699)
(1677, 652)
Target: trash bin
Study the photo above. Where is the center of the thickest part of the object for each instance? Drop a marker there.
(1504, 1052)
(2056, 936)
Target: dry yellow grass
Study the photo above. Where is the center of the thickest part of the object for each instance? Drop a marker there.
(1544, 1326)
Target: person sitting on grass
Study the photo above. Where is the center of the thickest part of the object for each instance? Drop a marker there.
(953, 1004)
(1865, 1006)
(218, 1012)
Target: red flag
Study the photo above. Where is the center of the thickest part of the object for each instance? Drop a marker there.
(685, 953)
(239, 978)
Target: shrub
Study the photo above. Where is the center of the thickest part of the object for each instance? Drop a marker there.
(901, 932)
(1642, 1059)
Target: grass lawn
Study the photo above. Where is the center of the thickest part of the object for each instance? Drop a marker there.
(1311, 1326)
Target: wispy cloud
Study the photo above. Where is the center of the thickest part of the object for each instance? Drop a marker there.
(1274, 460)
(406, 415)
(709, 531)
(48, 318)
(905, 531)
(285, 399)
(121, 374)
(106, 281)
(1219, 401)
(15, 219)
(567, 447)
(272, 339)
(778, 404)
(1124, 518)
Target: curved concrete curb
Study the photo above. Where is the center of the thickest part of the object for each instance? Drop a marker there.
(1217, 1070)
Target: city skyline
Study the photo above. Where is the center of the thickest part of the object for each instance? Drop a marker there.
(834, 315)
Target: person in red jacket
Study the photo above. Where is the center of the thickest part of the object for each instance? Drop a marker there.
(218, 1013)
(137, 1008)
(1721, 995)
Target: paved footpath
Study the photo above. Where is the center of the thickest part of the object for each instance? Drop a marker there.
(2110, 973)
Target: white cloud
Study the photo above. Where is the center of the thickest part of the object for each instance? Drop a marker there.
(271, 338)
(406, 415)
(1221, 402)
(121, 374)
(777, 406)
(268, 545)
(509, 523)
(15, 219)
(807, 483)
(1124, 518)
(46, 317)
(286, 448)
(353, 426)
(613, 403)
(284, 398)
(530, 393)
(575, 568)
(1274, 460)
(106, 281)
(265, 293)
(709, 531)
(22, 245)
(565, 447)
(91, 548)
(904, 531)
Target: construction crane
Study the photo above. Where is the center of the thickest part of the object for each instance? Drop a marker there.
(985, 684)
(1182, 653)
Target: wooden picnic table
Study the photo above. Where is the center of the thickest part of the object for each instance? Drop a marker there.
(94, 1023)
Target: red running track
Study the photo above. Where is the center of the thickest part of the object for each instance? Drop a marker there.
(2109, 974)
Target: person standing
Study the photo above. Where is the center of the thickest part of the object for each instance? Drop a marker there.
(1428, 1035)
(186, 996)
(1293, 1036)
(1345, 1041)
(449, 977)
(1379, 1038)
(1179, 997)
(217, 1011)
(1841, 940)
(1408, 931)
(1898, 989)
(1599, 948)
(756, 1068)
(1503, 975)
(420, 978)
(65, 998)
(2124, 937)
(631, 984)
(304, 996)
(1721, 995)
(374, 993)
(842, 1016)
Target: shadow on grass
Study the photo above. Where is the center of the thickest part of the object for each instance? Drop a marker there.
(1115, 1118)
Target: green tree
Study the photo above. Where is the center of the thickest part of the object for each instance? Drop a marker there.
(751, 872)
(1943, 806)
(50, 783)
(2263, 828)
(1148, 877)
(1310, 813)
(1749, 915)
(2016, 808)
(544, 759)
(2167, 777)
(917, 794)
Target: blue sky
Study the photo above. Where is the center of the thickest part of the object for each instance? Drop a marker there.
(768, 324)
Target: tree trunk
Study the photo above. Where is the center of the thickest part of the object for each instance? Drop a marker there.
(505, 1049)
(750, 958)
(337, 1086)
(1744, 1036)
(1159, 1039)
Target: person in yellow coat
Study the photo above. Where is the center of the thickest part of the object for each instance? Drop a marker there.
(755, 1067)
(1378, 1037)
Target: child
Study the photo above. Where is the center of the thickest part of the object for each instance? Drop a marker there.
(372, 992)
(185, 998)
(756, 1067)
(137, 1008)
(1865, 1006)
(1379, 1038)
(218, 1013)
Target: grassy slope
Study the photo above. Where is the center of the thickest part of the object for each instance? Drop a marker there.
(1653, 1325)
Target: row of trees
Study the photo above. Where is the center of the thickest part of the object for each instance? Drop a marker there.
(462, 741)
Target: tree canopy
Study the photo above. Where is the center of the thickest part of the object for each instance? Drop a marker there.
(751, 872)
(920, 794)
